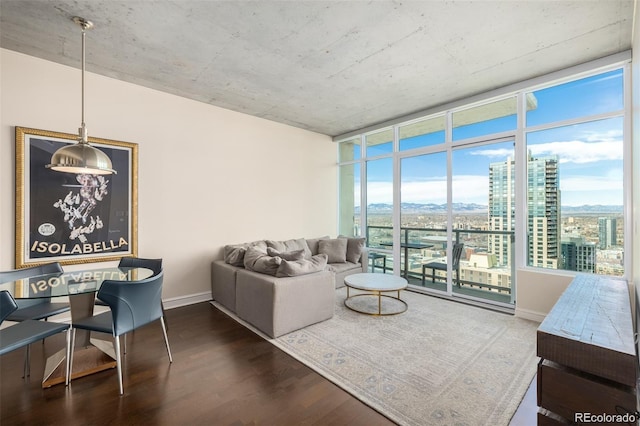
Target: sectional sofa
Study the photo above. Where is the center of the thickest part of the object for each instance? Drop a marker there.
(282, 286)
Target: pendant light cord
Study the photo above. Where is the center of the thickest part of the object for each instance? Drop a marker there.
(83, 68)
(82, 131)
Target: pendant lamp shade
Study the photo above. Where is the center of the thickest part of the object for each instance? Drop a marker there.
(81, 158)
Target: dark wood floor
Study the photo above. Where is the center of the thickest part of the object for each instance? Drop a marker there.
(222, 374)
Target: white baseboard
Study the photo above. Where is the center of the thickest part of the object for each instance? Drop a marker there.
(176, 302)
(530, 315)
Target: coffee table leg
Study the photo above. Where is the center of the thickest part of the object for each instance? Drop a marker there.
(379, 302)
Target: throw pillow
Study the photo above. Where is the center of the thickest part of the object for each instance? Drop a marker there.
(355, 245)
(313, 244)
(234, 254)
(336, 249)
(267, 265)
(287, 255)
(252, 254)
(292, 268)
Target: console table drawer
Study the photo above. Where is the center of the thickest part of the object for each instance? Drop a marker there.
(566, 391)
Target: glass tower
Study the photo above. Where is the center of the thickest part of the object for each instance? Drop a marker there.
(543, 218)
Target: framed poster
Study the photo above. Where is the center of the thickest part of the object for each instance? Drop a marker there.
(73, 218)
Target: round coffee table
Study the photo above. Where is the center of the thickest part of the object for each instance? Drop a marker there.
(374, 285)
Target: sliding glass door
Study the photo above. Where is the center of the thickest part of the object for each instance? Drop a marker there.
(423, 216)
(481, 259)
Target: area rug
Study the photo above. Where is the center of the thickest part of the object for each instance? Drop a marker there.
(440, 362)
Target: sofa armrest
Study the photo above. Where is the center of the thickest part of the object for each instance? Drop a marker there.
(223, 283)
(277, 306)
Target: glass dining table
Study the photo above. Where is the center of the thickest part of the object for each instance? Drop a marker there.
(91, 353)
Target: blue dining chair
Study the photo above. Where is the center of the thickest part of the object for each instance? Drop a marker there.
(34, 309)
(28, 331)
(137, 262)
(132, 304)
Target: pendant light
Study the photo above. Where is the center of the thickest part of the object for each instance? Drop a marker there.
(81, 158)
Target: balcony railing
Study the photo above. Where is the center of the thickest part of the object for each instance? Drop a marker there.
(481, 272)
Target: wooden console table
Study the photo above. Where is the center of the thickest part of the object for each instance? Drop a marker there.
(588, 359)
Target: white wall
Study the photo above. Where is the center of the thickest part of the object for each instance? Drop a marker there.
(538, 291)
(207, 176)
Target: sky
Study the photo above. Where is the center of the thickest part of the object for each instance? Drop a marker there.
(589, 154)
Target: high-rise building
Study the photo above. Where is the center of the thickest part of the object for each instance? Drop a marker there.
(502, 209)
(543, 206)
(543, 212)
(607, 232)
(577, 254)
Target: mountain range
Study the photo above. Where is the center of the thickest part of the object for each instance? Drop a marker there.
(417, 208)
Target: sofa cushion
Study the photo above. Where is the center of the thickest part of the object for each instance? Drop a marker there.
(355, 245)
(339, 268)
(335, 249)
(267, 265)
(290, 245)
(293, 268)
(234, 254)
(252, 254)
(286, 255)
(313, 244)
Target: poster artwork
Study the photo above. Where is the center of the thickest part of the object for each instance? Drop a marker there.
(74, 217)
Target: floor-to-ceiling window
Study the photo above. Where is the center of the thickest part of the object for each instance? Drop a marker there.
(447, 188)
(575, 168)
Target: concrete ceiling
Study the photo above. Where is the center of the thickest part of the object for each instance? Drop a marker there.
(326, 66)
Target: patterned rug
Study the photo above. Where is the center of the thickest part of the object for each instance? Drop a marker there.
(440, 362)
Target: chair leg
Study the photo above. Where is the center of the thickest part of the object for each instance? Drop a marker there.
(164, 316)
(73, 345)
(124, 343)
(68, 359)
(116, 342)
(166, 339)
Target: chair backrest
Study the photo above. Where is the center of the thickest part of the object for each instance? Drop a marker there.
(7, 305)
(18, 274)
(133, 303)
(138, 262)
(456, 253)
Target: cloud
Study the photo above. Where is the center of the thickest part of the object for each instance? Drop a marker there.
(500, 153)
(579, 152)
(611, 182)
